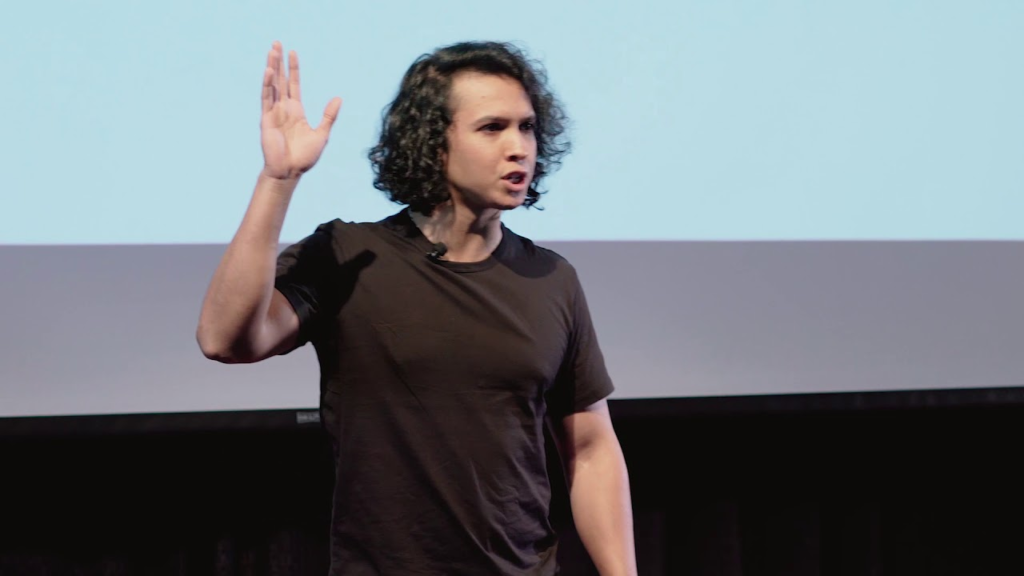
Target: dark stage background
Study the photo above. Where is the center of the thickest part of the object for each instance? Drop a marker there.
(893, 483)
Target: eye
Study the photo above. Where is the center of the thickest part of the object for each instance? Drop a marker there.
(492, 127)
(527, 126)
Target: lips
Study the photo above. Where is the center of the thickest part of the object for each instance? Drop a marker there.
(515, 177)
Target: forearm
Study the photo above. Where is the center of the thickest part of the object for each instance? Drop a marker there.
(241, 289)
(601, 507)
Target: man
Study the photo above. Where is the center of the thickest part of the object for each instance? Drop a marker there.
(446, 342)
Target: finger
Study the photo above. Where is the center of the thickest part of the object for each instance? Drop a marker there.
(293, 76)
(268, 89)
(330, 115)
(274, 65)
(280, 83)
(270, 57)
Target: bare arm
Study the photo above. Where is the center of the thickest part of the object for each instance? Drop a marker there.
(599, 489)
(243, 318)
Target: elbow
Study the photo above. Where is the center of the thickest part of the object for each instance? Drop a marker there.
(218, 355)
(217, 349)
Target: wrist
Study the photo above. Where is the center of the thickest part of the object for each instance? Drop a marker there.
(278, 183)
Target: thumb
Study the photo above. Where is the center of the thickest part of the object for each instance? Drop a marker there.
(330, 115)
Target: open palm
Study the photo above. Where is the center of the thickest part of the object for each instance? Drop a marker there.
(290, 145)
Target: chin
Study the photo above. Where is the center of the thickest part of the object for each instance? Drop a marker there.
(516, 199)
(512, 202)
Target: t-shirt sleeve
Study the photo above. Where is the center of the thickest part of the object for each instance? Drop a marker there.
(307, 276)
(583, 378)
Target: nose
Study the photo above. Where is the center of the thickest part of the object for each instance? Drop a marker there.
(517, 147)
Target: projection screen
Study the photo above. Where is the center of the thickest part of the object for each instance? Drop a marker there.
(762, 198)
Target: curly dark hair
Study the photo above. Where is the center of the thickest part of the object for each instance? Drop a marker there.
(408, 161)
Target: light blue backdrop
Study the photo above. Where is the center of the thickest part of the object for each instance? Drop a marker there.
(137, 122)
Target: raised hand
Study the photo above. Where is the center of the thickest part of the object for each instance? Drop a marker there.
(290, 145)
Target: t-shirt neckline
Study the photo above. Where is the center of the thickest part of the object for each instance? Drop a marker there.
(403, 223)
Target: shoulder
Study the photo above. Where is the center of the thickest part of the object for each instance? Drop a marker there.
(527, 248)
(345, 235)
(338, 228)
(532, 259)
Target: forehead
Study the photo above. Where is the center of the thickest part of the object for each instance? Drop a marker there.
(477, 95)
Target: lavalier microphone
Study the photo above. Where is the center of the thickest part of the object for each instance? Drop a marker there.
(438, 252)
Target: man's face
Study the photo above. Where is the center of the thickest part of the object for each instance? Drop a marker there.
(492, 148)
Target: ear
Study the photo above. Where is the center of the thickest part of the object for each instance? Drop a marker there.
(442, 153)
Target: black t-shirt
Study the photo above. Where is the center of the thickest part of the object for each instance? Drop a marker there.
(436, 379)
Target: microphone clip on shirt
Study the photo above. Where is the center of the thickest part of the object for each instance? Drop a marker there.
(438, 252)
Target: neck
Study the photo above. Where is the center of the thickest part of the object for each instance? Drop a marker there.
(469, 236)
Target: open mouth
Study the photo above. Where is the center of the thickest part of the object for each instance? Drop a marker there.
(516, 177)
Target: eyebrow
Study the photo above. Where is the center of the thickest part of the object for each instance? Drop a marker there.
(490, 119)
